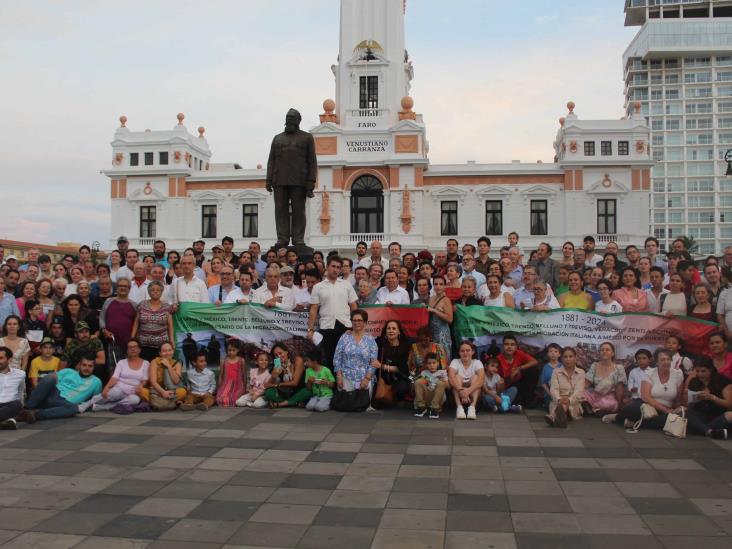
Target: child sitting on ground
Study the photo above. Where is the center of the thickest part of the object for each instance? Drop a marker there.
(430, 386)
(201, 385)
(494, 393)
(643, 359)
(552, 351)
(319, 381)
(258, 378)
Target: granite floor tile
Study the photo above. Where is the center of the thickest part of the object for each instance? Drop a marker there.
(67, 522)
(300, 496)
(417, 519)
(95, 542)
(607, 505)
(285, 513)
(528, 540)
(260, 534)
(421, 485)
(408, 539)
(417, 500)
(174, 507)
(351, 498)
(348, 517)
(479, 521)
(682, 525)
(196, 531)
(461, 540)
(315, 482)
(136, 526)
(647, 489)
(337, 537)
(663, 506)
(472, 502)
(546, 523)
(42, 540)
(538, 504)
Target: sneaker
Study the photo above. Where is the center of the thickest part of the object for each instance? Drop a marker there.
(516, 409)
(628, 424)
(9, 425)
(719, 434)
(26, 416)
(609, 418)
(460, 414)
(201, 406)
(471, 412)
(434, 414)
(371, 410)
(187, 406)
(560, 418)
(549, 420)
(84, 406)
(419, 412)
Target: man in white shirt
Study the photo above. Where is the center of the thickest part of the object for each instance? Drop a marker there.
(272, 293)
(217, 294)
(127, 270)
(360, 254)
(138, 283)
(331, 304)
(244, 293)
(654, 293)
(391, 293)
(189, 288)
(12, 389)
(591, 258)
(287, 277)
(375, 257)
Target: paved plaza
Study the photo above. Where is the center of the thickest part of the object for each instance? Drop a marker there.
(291, 478)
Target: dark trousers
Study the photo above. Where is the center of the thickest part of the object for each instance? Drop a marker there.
(527, 386)
(9, 409)
(699, 425)
(48, 402)
(284, 198)
(330, 341)
(632, 411)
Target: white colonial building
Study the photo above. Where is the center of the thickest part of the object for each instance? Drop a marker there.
(375, 179)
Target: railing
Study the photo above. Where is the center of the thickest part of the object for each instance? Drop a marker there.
(613, 238)
(142, 242)
(367, 113)
(366, 237)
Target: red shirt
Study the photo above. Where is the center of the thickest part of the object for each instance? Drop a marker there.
(519, 359)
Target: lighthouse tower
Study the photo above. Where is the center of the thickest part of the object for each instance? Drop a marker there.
(371, 145)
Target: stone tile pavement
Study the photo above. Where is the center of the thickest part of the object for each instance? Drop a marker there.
(291, 478)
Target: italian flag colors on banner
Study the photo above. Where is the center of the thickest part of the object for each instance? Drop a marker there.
(628, 332)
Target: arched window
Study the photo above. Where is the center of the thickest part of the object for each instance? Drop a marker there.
(367, 205)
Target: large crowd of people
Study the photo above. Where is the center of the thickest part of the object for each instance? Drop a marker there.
(84, 335)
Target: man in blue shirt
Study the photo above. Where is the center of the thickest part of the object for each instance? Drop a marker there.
(63, 394)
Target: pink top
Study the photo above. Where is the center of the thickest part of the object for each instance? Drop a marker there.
(258, 380)
(129, 379)
(630, 304)
(726, 370)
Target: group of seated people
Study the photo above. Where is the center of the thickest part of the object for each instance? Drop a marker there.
(118, 316)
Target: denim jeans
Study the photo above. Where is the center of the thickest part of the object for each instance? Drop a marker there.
(491, 403)
(48, 402)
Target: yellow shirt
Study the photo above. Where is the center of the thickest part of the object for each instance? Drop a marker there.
(40, 367)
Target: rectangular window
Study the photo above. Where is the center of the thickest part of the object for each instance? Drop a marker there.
(623, 148)
(134, 159)
(147, 221)
(163, 158)
(369, 92)
(148, 159)
(700, 216)
(539, 225)
(250, 220)
(606, 217)
(673, 124)
(494, 217)
(606, 148)
(208, 221)
(448, 218)
(589, 148)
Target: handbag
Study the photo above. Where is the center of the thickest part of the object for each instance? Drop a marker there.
(676, 423)
(159, 403)
(351, 401)
(647, 412)
(384, 396)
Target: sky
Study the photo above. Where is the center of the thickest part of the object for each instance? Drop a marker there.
(491, 80)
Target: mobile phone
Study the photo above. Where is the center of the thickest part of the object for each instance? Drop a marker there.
(277, 363)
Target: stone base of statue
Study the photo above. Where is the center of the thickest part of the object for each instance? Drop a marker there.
(303, 251)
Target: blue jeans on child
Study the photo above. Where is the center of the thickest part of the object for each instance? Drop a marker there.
(491, 403)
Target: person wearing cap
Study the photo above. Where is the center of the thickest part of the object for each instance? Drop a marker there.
(84, 344)
(219, 293)
(63, 393)
(287, 277)
(43, 364)
(122, 245)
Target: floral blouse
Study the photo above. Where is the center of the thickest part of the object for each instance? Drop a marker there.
(604, 385)
(353, 359)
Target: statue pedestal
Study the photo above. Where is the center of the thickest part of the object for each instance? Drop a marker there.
(304, 252)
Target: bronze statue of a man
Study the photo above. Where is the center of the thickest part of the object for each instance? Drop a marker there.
(292, 170)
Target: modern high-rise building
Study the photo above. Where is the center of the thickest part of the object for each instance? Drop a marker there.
(679, 66)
